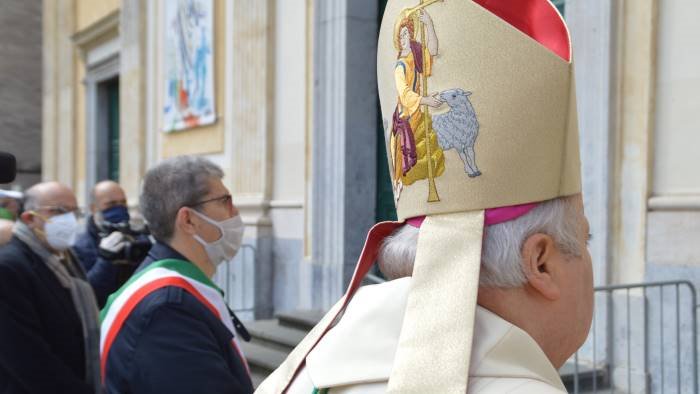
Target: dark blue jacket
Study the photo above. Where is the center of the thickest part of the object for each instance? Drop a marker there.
(171, 343)
(101, 273)
(41, 337)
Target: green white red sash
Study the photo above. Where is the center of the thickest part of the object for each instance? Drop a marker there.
(164, 273)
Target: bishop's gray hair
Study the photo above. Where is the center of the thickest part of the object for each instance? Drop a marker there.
(500, 256)
(171, 185)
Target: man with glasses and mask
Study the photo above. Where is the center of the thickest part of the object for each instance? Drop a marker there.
(108, 228)
(168, 329)
(49, 327)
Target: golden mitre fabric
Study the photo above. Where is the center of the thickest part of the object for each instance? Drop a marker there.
(479, 110)
(507, 124)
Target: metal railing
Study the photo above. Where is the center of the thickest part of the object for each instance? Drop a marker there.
(237, 279)
(649, 342)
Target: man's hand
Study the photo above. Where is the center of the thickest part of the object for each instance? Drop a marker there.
(112, 246)
(425, 18)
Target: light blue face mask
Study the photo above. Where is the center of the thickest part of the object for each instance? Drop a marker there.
(61, 230)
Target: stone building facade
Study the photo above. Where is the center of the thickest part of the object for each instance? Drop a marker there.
(20, 87)
(298, 135)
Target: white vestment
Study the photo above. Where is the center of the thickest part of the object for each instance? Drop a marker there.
(357, 354)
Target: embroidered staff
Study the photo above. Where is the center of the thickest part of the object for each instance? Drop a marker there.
(413, 13)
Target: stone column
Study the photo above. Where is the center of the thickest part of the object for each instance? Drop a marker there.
(634, 94)
(248, 123)
(592, 33)
(132, 97)
(590, 22)
(66, 55)
(58, 150)
(344, 141)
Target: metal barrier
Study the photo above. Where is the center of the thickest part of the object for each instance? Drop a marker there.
(649, 342)
(237, 279)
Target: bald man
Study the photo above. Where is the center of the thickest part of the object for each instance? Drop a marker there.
(108, 212)
(49, 332)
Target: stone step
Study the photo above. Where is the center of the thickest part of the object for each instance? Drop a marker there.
(261, 357)
(270, 333)
(300, 319)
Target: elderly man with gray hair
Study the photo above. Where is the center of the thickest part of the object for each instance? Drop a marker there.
(534, 264)
(168, 329)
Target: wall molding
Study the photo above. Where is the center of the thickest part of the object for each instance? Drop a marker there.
(675, 203)
(107, 25)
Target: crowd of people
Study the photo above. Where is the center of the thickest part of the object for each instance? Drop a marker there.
(157, 332)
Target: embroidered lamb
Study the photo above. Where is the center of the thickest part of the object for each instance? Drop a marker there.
(458, 128)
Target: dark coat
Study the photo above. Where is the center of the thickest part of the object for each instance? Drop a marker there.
(171, 343)
(104, 276)
(101, 273)
(41, 336)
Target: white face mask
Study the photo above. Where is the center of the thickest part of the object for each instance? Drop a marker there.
(226, 247)
(60, 231)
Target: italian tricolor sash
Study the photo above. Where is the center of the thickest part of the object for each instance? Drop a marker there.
(163, 273)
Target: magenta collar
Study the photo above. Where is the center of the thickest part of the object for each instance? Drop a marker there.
(491, 216)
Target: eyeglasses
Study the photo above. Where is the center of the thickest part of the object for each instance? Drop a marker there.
(115, 203)
(56, 210)
(225, 200)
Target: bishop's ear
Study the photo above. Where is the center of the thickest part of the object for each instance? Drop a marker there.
(540, 259)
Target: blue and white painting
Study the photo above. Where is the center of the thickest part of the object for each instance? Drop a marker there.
(188, 64)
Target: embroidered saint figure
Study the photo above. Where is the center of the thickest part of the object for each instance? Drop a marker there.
(410, 147)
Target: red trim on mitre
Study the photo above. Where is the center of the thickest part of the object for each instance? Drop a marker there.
(538, 19)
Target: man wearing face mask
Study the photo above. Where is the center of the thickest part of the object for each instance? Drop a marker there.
(107, 224)
(49, 328)
(187, 337)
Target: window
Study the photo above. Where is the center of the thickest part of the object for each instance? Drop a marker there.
(561, 5)
(112, 92)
